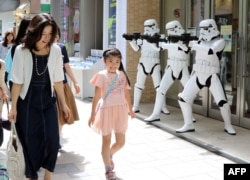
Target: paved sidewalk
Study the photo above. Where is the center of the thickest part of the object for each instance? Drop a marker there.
(209, 133)
(149, 153)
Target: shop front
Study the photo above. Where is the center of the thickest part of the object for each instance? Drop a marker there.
(104, 29)
(233, 20)
(80, 23)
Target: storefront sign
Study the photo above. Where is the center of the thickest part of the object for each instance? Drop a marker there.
(177, 13)
(45, 5)
(112, 24)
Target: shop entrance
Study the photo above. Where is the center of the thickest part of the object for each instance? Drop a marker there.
(236, 60)
(232, 18)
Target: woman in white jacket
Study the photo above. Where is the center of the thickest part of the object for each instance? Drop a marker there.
(37, 71)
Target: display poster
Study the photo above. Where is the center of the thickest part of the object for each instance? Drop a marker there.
(112, 24)
(223, 19)
(226, 34)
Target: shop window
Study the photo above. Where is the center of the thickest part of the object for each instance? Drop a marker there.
(70, 26)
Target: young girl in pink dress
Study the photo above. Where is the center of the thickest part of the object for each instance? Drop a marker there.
(112, 97)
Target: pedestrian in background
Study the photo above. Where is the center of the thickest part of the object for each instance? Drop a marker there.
(112, 88)
(37, 74)
(6, 43)
(18, 40)
(69, 97)
(3, 88)
(4, 123)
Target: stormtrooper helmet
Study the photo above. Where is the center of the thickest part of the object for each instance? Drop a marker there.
(174, 28)
(150, 27)
(208, 30)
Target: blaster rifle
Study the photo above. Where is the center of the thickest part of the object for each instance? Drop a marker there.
(156, 38)
(185, 38)
(130, 37)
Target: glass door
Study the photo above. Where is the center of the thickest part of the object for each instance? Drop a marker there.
(233, 19)
(245, 75)
(226, 15)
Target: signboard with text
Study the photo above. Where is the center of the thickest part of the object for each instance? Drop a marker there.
(45, 6)
(112, 24)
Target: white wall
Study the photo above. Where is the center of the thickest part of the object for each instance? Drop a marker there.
(90, 26)
(121, 26)
(8, 20)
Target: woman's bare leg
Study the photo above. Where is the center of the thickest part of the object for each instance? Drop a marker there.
(47, 175)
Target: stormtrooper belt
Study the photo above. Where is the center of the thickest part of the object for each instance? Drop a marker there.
(150, 54)
(206, 69)
(178, 62)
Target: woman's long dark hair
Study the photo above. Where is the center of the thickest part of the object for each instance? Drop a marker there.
(35, 30)
(22, 30)
(115, 52)
(20, 34)
(5, 40)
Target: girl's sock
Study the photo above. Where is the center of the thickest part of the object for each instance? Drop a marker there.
(112, 162)
(108, 168)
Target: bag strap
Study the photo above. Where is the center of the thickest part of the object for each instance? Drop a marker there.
(7, 104)
(111, 87)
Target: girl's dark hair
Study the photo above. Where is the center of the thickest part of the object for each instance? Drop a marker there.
(5, 40)
(35, 30)
(115, 52)
(20, 34)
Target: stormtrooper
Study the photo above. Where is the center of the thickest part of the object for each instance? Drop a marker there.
(149, 63)
(176, 69)
(206, 69)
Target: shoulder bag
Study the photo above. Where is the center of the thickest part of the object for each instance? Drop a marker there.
(15, 159)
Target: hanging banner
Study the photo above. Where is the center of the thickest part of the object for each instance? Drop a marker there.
(112, 24)
(45, 6)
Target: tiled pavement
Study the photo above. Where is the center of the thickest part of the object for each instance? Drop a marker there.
(150, 152)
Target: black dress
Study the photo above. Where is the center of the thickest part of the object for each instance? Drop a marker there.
(37, 123)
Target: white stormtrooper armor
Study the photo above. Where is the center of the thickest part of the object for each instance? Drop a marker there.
(205, 73)
(149, 63)
(176, 69)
